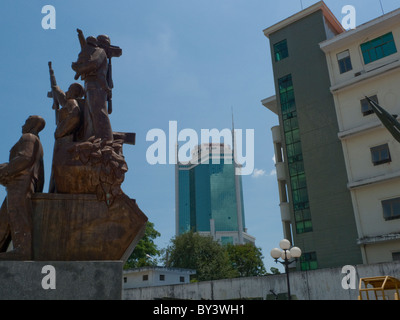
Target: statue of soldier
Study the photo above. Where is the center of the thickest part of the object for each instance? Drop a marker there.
(68, 125)
(22, 176)
(92, 67)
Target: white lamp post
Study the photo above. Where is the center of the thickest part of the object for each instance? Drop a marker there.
(286, 254)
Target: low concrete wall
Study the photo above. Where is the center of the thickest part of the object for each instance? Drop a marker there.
(60, 280)
(322, 284)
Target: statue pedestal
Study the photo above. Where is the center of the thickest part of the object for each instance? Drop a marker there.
(78, 227)
(61, 280)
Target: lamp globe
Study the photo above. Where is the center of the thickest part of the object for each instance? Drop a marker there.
(284, 244)
(295, 252)
(276, 253)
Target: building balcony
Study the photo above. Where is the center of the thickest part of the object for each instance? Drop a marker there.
(285, 211)
(280, 171)
(276, 134)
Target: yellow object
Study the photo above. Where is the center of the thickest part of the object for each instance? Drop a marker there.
(380, 286)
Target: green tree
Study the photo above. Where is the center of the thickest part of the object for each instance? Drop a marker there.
(246, 259)
(201, 253)
(274, 270)
(145, 251)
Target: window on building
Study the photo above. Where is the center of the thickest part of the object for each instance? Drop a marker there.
(396, 256)
(125, 279)
(378, 48)
(283, 190)
(391, 209)
(308, 261)
(281, 50)
(162, 277)
(365, 106)
(294, 156)
(344, 61)
(303, 219)
(380, 154)
(145, 277)
(181, 279)
(227, 240)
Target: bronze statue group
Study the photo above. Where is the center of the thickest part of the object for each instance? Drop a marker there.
(87, 156)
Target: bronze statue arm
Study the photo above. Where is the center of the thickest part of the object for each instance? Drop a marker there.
(69, 124)
(22, 160)
(89, 63)
(18, 165)
(82, 40)
(84, 67)
(59, 95)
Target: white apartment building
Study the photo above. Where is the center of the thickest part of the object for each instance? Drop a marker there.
(155, 276)
(366, 62)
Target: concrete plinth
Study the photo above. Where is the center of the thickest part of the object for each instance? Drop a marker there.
(60, 280)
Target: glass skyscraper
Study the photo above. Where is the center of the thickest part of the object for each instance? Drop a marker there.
(209, 195)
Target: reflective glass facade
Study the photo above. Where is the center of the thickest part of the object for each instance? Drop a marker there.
(184, 200)
(308, 261)
(301, 206)
(208, 191)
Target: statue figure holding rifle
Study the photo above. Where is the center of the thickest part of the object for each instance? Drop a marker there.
(93, 66)
(85, 216)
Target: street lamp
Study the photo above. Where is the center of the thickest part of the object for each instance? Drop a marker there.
(286, 254)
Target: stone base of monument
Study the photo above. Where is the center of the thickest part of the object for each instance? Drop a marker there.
(79, 247)
(61, 280)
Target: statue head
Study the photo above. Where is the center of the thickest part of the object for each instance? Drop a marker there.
(92, 41)
(75, 91)
(103, 40)
(105, 43)
(34, 124)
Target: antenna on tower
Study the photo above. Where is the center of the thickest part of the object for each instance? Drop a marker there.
(232, 118)
(233, 141)
(380, 1)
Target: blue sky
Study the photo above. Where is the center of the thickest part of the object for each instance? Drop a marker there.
(183, 60)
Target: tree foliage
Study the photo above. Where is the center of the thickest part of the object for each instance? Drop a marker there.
(274, 270)
(146, 250)
(201, 253)
(211, 260)
(246, 260)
